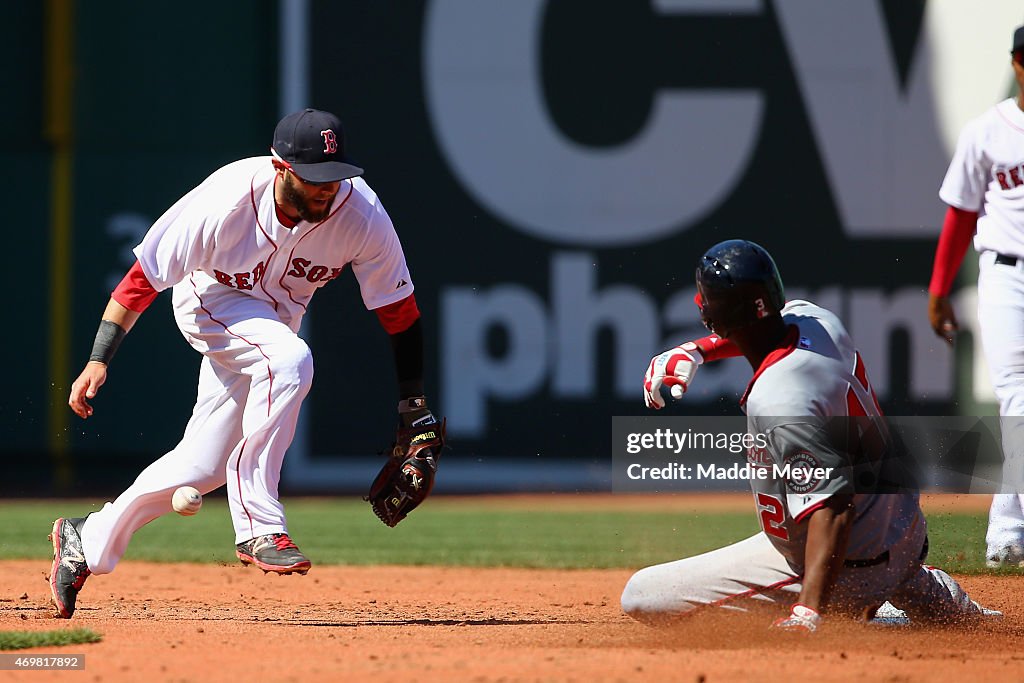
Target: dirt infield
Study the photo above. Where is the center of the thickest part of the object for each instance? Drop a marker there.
(210, 623)
(187, 622)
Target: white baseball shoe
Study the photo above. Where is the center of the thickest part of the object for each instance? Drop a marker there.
(1011, 555)
(889, 615)
(989, 613)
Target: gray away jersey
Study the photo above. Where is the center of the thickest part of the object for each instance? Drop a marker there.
(799, 400)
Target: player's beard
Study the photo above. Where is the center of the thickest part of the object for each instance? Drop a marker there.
(293, 196)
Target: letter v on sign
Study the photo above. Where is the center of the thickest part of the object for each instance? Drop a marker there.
(885, 149)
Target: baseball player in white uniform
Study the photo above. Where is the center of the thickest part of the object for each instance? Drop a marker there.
(244, 253)
(984, 188)
(824, 546)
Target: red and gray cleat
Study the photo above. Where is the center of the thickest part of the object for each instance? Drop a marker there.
(69, 570)
(273, 553)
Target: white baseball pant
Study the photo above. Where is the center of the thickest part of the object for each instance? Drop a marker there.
(752, 573)
(1001, 321)
(253, 377)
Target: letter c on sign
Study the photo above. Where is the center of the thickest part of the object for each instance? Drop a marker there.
(484, 97)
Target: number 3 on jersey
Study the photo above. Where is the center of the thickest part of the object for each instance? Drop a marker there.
(772, 514)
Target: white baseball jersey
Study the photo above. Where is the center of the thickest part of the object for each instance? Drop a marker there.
(793, 400)
(224, 238)
(987, 175)
(242, 281)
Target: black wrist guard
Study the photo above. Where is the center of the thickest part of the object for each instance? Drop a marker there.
(108, 338)
(412, 410)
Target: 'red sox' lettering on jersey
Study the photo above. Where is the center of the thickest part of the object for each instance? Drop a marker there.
(246, 280)
(304, 268)
(255, 254)
(1009, 178)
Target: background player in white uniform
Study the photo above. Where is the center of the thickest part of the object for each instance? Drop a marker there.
(824, 545)
(244, 252)
(984, 188)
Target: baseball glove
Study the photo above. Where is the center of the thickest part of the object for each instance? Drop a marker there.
(407, 478)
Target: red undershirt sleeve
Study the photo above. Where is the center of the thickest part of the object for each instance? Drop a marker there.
(397, 317)
(714, 348)
(134, 292)
(957, 230)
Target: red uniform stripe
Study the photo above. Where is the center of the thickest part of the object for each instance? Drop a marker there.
(256, 213)
(756, 591)
(806, 513)
(270, 389)
(316, 227)
(789, 344)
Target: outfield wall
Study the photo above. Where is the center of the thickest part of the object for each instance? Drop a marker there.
(553, 168)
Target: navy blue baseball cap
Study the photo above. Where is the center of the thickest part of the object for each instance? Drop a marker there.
(311, 143)
(1018, 39)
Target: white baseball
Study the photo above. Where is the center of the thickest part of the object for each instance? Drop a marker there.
(186, 500)
(677, 391)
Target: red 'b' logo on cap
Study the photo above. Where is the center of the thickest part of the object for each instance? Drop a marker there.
(330, 141)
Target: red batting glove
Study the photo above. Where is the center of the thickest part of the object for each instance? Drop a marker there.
(673, 368)
(802, 619)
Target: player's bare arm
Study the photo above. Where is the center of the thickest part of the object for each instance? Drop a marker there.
(827, 535)
(94, 374)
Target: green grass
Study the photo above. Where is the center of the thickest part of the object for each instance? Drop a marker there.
(450, 532)
(19, 640)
